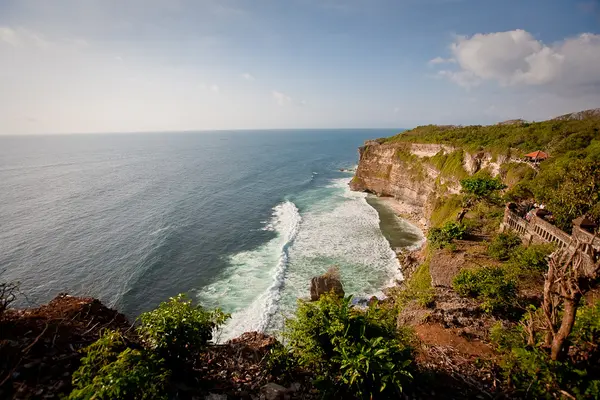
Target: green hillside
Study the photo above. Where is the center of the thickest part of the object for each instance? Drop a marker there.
(568, 181)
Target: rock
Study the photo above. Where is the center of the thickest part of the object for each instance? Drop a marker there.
(214, 396)
(328, 282)
(295, 387)
(273, 391)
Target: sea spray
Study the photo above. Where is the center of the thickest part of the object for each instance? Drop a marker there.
(252, 284)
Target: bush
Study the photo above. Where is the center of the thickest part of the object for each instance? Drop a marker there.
(110, 370)
(443, 236)
(529, 262)
(353, 353)
(489, 284)
(502, 246)
(177, 329)
(482, 187)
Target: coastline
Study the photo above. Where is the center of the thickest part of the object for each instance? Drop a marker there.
(398, 223)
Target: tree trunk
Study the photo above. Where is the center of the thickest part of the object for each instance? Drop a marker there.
(461, 215)
(547, 305)
(558, 350)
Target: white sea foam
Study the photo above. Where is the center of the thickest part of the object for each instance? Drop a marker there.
(337, 227)
(252, 284)
(343, 230)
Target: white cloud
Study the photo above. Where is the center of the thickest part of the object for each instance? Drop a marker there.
(517, 58)
(441, 60)
(215, 88)
(247, 76)
(281, 98)
(465, 79)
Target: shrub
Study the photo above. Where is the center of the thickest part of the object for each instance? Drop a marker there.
(177, 329)
(529, 262)
(354, 353)
(443, 236)
(110, 370)
(489, 284)
(482, 187)
(502, 246)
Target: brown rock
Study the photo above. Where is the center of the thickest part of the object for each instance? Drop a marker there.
(273, 391)
(328, 282)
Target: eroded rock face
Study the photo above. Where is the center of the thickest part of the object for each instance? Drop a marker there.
(382, 172)
(328, 282)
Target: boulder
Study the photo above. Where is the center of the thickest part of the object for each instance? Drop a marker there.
(328, 282)
(273, 391)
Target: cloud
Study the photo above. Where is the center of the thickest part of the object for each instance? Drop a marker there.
(281, 98)
(247, 76)
(516, 58)
(441, 60)
(215, 89)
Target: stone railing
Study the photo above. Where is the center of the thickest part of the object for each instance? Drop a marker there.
(544, 232)
(537, 230)
(514, 222)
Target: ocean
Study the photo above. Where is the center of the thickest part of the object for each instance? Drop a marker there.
(237, 219)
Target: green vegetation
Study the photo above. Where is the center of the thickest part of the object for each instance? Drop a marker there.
(177, 328)
(354, 353)
(418, 287)
(527, 365)
(445, 209)
(502, 246)
(568, 182)
(116, 368)
(412, 164)
(570, 191)
(529, 262)
(443, 236)
(111, 370)
(491, 285)
(482, 188)
(450, 165)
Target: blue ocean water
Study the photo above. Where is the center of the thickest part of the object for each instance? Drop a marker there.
(239, 219)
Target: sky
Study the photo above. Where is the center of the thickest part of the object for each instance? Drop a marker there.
(77, 66)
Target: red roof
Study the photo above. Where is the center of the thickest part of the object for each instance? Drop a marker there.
(539, 155)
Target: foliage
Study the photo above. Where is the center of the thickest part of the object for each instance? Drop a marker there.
(528, 262)
(445, 209)
(482, 187)
(177, 329)
(351, 351)
(450, 165)
(418, 287)
(490, 284)
(529, 369)
(571, 192)
(110, 370)
(573, 146)
(444, 235)
(503, 245)
(484, 218)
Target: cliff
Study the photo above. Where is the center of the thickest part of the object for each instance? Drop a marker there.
(416, 174)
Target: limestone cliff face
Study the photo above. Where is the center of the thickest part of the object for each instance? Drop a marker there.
(406, 172)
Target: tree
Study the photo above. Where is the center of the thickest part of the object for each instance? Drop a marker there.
(573, 193)
(572, 272)
(479, 188)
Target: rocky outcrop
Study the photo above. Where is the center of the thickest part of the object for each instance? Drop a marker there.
(40, 347)
(382, 172)
(593, 113)
(328, 282)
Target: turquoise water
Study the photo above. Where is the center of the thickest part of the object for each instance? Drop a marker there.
(240, 219)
